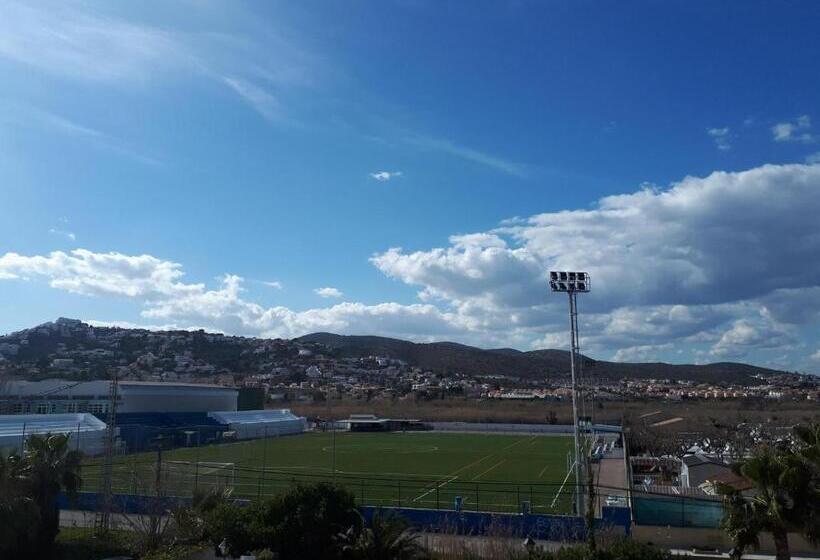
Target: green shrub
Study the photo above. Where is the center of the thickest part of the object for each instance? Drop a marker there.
(78, 543)
(623, 549)
(300, 523)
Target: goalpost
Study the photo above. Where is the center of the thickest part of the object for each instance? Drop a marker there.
(190, 475)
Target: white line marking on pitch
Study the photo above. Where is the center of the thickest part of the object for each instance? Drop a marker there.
(498, 464)
(542, 471)
(417, 498)
(455, 472)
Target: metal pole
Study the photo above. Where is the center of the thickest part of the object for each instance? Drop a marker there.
(23, 441)
(333, 427)
(579, 497)
(264, 459)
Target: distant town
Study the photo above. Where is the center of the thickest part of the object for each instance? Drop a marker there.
(305, 371)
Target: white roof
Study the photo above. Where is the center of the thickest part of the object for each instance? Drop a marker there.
(56, 388)
(19, 424)
(253, 416)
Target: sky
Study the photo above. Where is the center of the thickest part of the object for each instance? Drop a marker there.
(415, 168)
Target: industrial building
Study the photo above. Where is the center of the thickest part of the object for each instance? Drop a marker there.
(58, 396)
(148, 414)
(248, 424)
(86, 432)
(372, 423)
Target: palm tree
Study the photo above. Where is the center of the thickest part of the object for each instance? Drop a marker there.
(50, 466)
(787, 499)
(387, 538)
(18, 512)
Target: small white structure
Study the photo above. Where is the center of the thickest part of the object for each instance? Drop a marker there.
(261, 423)
(86, 432)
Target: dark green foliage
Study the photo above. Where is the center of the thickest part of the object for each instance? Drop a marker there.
(386, 538)
(78, 543)
(300, 523)
(29, 486)
(51, 466)
(786, 494)
(624, 549)
(19, 515)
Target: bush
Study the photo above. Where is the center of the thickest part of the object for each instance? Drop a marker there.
(300, 523)
(231, 523)
(623, 549)
(78, 543)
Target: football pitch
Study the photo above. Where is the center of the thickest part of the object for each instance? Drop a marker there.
(488, 472)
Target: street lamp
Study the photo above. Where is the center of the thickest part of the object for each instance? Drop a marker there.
(572, 283)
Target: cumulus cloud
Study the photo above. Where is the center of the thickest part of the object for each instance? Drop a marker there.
(328, 292)
(721, 138)
(797, 130)
(275, 284)
(84, 272)
(383, 176)
(718, 267)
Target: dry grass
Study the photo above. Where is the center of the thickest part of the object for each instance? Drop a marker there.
(696, 414)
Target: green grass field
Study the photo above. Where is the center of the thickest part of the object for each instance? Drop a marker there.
(491, 472)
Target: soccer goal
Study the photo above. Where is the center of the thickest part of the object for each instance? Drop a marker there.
(184, 475)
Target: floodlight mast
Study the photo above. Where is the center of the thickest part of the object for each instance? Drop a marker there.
(572, 283)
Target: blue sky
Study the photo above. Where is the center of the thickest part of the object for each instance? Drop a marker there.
(413, 168)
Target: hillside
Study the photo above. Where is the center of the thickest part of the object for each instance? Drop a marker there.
(73, 349)
(452, 357)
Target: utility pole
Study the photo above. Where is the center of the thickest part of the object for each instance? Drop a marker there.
(102, 521)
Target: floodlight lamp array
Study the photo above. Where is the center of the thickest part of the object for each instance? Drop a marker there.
(563, 281)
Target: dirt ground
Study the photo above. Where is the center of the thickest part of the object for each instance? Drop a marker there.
(694, 414)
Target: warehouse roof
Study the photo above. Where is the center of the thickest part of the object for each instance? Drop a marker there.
(20, 424)
(253, 416)
(56, 387)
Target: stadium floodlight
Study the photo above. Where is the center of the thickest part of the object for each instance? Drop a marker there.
(572, 283)
(569, 281)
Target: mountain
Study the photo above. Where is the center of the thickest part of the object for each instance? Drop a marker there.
(73, 349)
(451, 357)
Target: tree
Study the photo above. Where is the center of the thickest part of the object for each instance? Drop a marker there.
(787, 496)
(49, 467)
(18, 512)
(386, 538)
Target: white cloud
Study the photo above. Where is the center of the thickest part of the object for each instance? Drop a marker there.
(383, 176)
(84, 272)
(328, 292)
(261, 100)
(815, 357)
(87, 43)
(721, 138)
(60, 39)
(794, 131)
(751, 334)
(723, 266)
(63, 233)
(469, 154)
(813, 158)
(275, 284)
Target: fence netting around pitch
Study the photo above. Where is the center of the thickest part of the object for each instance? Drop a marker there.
(183, 479)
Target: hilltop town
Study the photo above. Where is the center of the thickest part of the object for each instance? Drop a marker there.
(308, 369)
